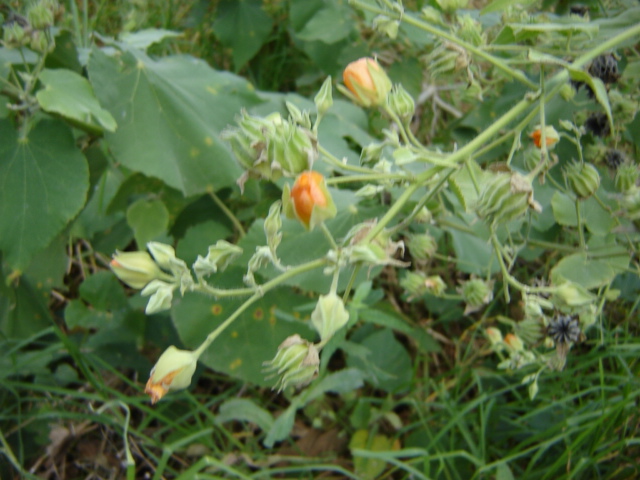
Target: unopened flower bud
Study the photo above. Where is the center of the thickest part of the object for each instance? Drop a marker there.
(173, 371)
(297, 116)
(470, 31)
(631, 203)
(583, 178)
(219, 257)
(371, 153)
(435, 285)
(367, 83)
(39, 16)
(476, 293)
(272, 226)
(386, 26)
(136, 269)
(567, 92)
(414, 284)
(401, 102)
(161, 294)
(324, 98)
(329, 316)
(626, 177)
(163, 254)
(494, 335)
(514, 342)
(550, 134)
(14, 35)
(39, 42)
(296, 362)
(309, 200)
(422, 246)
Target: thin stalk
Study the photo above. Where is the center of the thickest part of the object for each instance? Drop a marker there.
(369, 177)
(234, 220)
(333, 160)
(257, 295)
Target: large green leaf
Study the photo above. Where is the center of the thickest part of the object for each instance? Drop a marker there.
(170, 113)
(71, 96)
(329, 24)
(243, 26)
(43, 184)
(250, 340)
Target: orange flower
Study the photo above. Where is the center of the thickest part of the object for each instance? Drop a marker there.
(309, 200)
(551, 136)
(367, 82)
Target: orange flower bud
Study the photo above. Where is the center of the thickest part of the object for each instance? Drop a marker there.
(309, 200)
(551, 136)
(173, 371)
(514, 342)
(367, 82)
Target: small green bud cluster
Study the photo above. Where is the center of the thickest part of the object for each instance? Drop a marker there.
(476, 293)
(32, 31)
(271, 147)
(417, 284)
(297, 361)
(506, 197)
(401, 102)
(422, 246)
(446, 59)
(583, 178)
(470, 31)
(627, 177)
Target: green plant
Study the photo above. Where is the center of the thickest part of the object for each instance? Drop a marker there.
(508, 247)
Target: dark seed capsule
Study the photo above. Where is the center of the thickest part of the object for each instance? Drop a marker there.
(614, 158)
(579, 9)
(605, 67)
(598, 125)
(564, 329)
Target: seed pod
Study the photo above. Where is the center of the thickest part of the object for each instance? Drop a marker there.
(422, 246)
(476, 293)
(598, 125)
(583, 178)
(614, 158)
(506, 197)
(626, 177)
(401, 102)
(605, 67)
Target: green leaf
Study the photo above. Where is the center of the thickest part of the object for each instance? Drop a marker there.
(369, 468)
(580, 269)
(250, 340)
(71, 96)
(143, 39)
(329, 24)
(474, 253)
(391, 371)
(24, 312)
(564, 210)
(43, 184)
(244, 27)
(198, 239)
(149, 219)
(245, 410)
(500, 5)
(170, 113)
